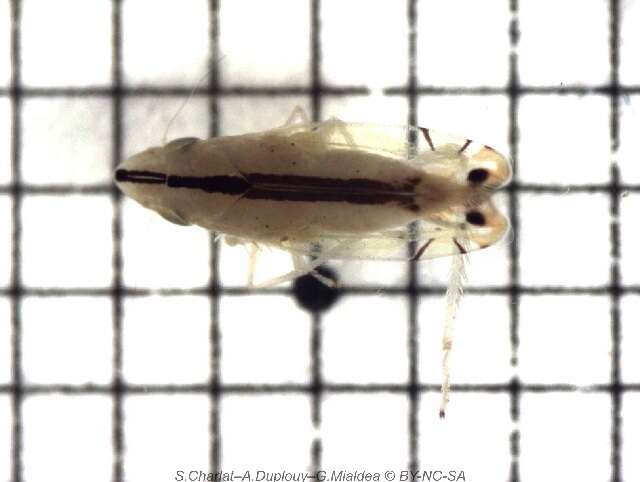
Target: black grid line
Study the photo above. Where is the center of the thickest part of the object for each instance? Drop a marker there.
(214, 293)
(605, 90)
(412, 332)
(184, 91)
(317, 381)
(311, 388)
(118, 436)
(514, 254)
(423, 291)
(616, 398)
(16, 279)
(317, 388)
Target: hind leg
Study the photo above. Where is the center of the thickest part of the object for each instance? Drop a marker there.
(298, 113)
(326, 128)
(302, 267)
(300, 264)
(334, 125)
(253, 255)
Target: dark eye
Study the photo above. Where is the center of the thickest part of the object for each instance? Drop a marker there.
(476, 218)
(477, 176)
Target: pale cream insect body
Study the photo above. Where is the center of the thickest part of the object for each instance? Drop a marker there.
(333, 189)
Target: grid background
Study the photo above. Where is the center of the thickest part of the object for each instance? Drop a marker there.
(114, 366)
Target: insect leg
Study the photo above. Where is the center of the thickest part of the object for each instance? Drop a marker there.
(233, 240)
(297, 113)
(457, 277)
(291, 275)
(305, 268)
(300, 264)
(253, 254)
(422, 249)
(333, 124)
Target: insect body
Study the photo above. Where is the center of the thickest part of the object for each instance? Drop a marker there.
(335, 190)
(345, 190)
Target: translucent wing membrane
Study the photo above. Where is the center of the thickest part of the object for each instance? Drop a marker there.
(454, 233)
(461, 157)
(434, 150)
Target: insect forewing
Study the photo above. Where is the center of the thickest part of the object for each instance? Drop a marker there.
(450, 235)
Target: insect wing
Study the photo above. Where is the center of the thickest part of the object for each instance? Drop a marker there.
(450, 235)
(457, 155)
(434, 150)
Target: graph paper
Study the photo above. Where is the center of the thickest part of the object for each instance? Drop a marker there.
(132, 350)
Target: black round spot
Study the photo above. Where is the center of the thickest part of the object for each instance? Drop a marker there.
(477, 176)
(476, 218)
(312, 294)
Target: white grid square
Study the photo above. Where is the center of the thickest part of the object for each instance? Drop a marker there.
(563, 42)
(378, 357)
(365, 431)
(565, 339)
(164, 42)
(483, 118)
(147, 118)
(463, 43)
(564, 140)
(67, 241)
(158, 254)
(233, 264)
(627, 155)
(555, 233)
(266, 432)
(164, 434)
(243, 114)
(385, 273)
(265, 43)
(481, 345)
(85, 447)
(630, 339)
(76, 151)
(6, 336)
(565, 434)
(6, 422)
(485, 267)
(630, 436)
(473, 438)
(629, 239)
(66, 43)
(66, 340)
(5, 140)
(375, 53)
(5, 45)
(6, 222)
(166, 339)
(629, 41)
(374, 108)
(265, 339)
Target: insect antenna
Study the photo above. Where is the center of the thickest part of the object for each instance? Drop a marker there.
(185, 102)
